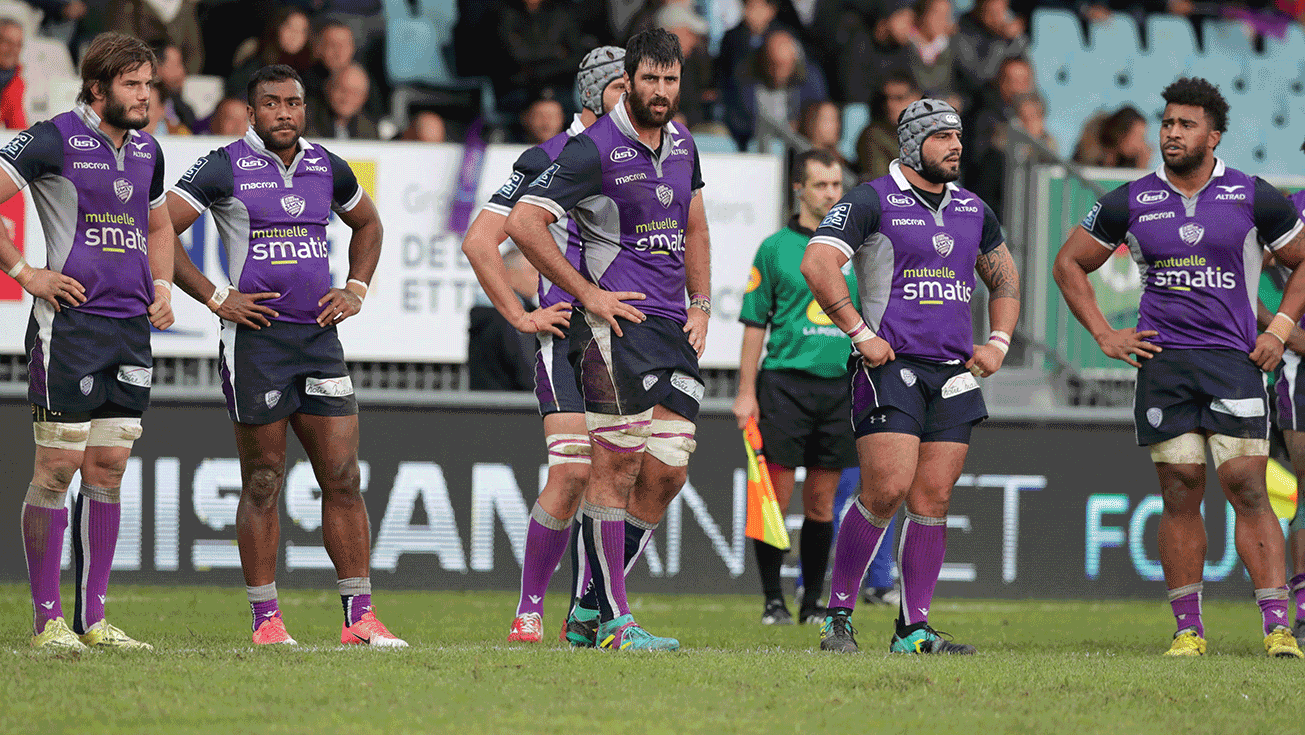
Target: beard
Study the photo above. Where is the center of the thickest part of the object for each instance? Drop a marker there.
(1187, 163)
(643, 112)
(115, 114)
(934, 173)
(272, 137)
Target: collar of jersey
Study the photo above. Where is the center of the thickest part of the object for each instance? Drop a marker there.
(627, 128)
(899, 178)
(256, 144)
(1220, 168)
(92, 121)
(577, 127)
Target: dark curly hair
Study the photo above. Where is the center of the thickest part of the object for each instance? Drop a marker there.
(1198, 92)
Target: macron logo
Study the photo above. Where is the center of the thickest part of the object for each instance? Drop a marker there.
(534, 598)
(1230, 189)
(101, 599)
(48, 605)
(840, 596)
(923, 611)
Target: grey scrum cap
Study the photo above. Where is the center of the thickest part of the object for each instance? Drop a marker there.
(922, 119)
(599, 68)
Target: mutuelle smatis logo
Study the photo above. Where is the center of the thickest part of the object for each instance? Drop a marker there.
(934, 286)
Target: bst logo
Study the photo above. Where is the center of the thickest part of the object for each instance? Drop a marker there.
(83, 142)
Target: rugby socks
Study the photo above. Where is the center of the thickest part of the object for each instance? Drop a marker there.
(604, 533)
(580, 571)
(355, 598)
(816, 539)
(44, 520)
(546, 539)
(769, 561)
(637, 535)
(1186, 602)
(1273, 607)
(262, 603)
(920, 557)
(96, 517)
(1298, 590)
(859, 537)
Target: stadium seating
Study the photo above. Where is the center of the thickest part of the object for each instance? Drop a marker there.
(202, 93)
(417, 51)
(27, 16)
(855, 117)
(45, 60)
(715, 143)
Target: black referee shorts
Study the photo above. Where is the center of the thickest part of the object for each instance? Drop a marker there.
(804, 419)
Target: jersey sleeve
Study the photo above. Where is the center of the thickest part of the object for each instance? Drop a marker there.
(33, 153)
(1275, 216)
(576, 175)
(851, 222)
(528, 167)
(208, 181)
(993, 235)
(158, 185)
(1107, 221)
(696, 183)
(759, 297)
(345, 190)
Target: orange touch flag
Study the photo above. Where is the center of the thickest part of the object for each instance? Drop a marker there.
(765, 521)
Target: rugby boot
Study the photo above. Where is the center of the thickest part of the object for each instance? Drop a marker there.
(1298, 630)
(272, 632)
(838, 635)
(103, 635)
(581, 628)
(1282, 644)
(57, 636)
(527, 628)
(1187, 643)
(813, 615)
(623, 634)
(776, 613)
(369, 631)
(920, 638)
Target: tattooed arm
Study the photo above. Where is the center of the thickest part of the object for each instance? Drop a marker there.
(997, 270)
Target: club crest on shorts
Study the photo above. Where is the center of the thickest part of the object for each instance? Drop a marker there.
(943, 243)
(123, 189)
(271, 398)
(293, 205)
(908, 377)
(1154, 417)
(87, 383)
(664, 194)
(1191, 233)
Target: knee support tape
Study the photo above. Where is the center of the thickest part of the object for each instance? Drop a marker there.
(1183, 449)
(672, 441)
(567, 448)
(622, 434)
(60, 435)
(114, 432)
(1224, 448)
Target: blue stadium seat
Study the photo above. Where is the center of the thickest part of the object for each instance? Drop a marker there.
(417, 48)
(1291, 47)
(1115, 47)
(1171, 44)
(1056, 49)
(715, 143)
(1228, 35)
(856, 116)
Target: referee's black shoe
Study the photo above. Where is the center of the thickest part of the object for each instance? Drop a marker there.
(776, 613)
(837, 634)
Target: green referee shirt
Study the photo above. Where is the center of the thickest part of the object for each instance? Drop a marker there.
(801, 336)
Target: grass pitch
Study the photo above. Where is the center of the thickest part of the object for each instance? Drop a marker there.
(1043, 667)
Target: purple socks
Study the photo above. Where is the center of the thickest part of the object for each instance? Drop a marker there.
(44, 521)
(262, 603)
(546, 539)
(859, 537)
(1273, 607)
(96, 516)
(1186, 602)
(924, 544)
(604, 535)
(355, 597)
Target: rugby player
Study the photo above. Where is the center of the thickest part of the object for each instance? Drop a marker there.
(97, 182)
(272, 194)
(1195, 228)
(800, 395)
(631, 182)
(601, 81)
(916, 241)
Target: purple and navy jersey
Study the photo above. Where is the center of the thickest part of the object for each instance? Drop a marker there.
(273, 218)
(914, 264)
(565, 232)
(94, 202)
(1199, 257)
(631, 204)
